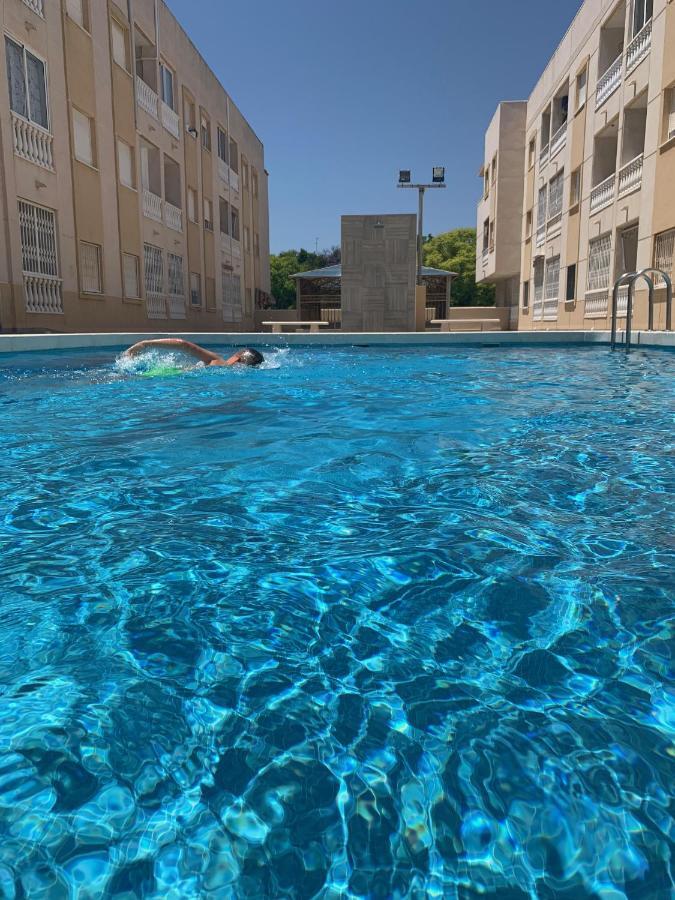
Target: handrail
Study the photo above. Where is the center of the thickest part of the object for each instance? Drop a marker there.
(669, 298)
(630, 278)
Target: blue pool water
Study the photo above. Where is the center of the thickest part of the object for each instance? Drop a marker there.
(362, 623)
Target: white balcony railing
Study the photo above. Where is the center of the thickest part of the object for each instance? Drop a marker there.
(639, 47)
(630, 176)
(558, 140)
(37, 6)
(541, 234)
(622, 300)
(543, 154)
(32, 142)
(43, 294)
(152, 205)
(550, 309)
(170, 120)
(596, 302)
(223, 170)
(234, 180)
(603, 194)
(173, 216)
(609, 82)
(146, 97)
(176, 307)
(155, 305)
(554, 226)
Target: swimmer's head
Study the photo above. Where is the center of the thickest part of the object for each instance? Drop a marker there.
(249, 357)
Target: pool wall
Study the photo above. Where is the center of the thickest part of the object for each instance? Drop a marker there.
(18, 343)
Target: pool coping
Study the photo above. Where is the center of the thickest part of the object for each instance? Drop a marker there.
(18, 343)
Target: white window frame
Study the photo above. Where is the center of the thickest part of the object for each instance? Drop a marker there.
(221, 201)
(72, 9)
(164, 67)
(153, 265)
(119, 29)
(556, 188)
(664, 253)
(223, 142)
(552, 278)
(205, 132)
(669, 112)
(96, 286)
(28, 118)
(581, 88)
(599, 263)
(575, 187)
(39, 224)
(208, 213)
(637, 5)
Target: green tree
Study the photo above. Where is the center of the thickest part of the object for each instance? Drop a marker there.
(288, 263)
(455, 251)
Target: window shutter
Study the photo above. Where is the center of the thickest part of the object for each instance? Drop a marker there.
(125, 164)
(131, 280)
(119, 45)
(82, 134)
(671, 113)
(15, 77)
(37, 90)
(74, 10)
(90, 268)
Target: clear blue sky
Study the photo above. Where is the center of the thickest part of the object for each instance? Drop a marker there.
(344, 94)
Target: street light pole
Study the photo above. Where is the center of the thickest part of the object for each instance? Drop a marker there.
(404, 182)
(420, 235)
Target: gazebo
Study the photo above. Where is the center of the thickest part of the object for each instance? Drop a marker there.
(318, 294)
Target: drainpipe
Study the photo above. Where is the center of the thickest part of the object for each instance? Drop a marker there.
(132, 42)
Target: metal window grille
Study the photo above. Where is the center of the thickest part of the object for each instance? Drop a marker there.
(555, 195)
(90, 268)
(599, 263)
(154, 269)
(195, 289)
(538, 306)
(552, 280)
(131, 279)
(38, 239)
(234, 156)
(664, 247)
(232, 310)
(175, 274)
(222, 145)
(541, 206)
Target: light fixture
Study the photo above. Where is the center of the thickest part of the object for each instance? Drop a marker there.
(438, 173)
(404, 176)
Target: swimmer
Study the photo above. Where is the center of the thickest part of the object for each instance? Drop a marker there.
(245, 357)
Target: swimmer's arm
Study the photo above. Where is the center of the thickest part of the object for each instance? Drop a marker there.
(206, 356)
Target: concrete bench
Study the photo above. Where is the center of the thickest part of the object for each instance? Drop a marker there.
(278, 327)
(468, 324)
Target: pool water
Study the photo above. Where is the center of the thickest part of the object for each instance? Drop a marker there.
(361, 623)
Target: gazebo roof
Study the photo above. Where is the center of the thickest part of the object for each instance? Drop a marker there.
(336, 272)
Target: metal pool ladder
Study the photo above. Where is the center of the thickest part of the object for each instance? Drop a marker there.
(630, 278)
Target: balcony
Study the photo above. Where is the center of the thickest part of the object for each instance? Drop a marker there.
(147, 99)
(550, 310)
(541, 235)
(602, 194)
(630, 176)
(152, 205)
(558, 140)
(170, 120)
(609, 82)
(173, 215)
(553, 226)
(37, 6)
(596, 302)
(155, 305)
(43, 294)
(32, 142)
(234, 181)
(543, 154)
(176, 307)
(638, 47)
(223, 170)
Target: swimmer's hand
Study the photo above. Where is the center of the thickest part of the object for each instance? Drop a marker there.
(205, 356)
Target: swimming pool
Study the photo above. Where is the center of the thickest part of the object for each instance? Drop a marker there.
(365, 622)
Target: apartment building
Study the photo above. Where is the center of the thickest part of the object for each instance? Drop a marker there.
(598, 165)
(133, 192)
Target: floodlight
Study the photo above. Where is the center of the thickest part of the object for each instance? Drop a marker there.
(404, 176)
(438, 174)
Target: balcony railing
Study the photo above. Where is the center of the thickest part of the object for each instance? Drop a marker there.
(234, 180)
(543, 154)
(146, 97)
(155, 305)
(603, 194)
(622, 301)
(43, 293)
(541, 234)
(170, 120)
(550, 309)
(639, 47)
(596, 302)
(37, 6)
(176, 307)
(558, 140)
(32, 142)
(152, 205)
(173, 216)
(223, 170)
(630, 176)
(554, 226)
(609, 82)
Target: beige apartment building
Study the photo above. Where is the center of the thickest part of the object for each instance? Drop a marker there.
(597, 173)
(133, 192)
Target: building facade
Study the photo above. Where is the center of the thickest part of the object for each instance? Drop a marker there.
(598, 165)
(133, 192)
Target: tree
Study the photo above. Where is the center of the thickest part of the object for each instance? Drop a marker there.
(288, 263)
(455, 251)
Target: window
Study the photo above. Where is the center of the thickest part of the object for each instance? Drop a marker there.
(538, 307)
(154, 269)
(151, 168)
(195, 289)
(669, 109)
(190, 116)
(206, 134)
(172, 182)
(83, 137)
(552, 279)
(166, 78)
(208, 215)
(254, 183)
(247, 239)
(599, 263)
(486, 182)
(526, 294)
(492, 235)
(130, 274)
(575, 187)
(256, 244)
(26, 77)
(210, 284)
(231, 296)
(244, 174)
(192, 204)
(38, 240)
(571, 292)
(222, 145)
(486, 235)
(234, 217)
(175, 272)
(664, 244)
(125, 163)
(224, 216)
(77, 11)
(90, 268)
(120, 44)
(494, 170)
(541, 212)
(642, 13)
(234, 156)
(555, 195)
(581, 88)
(528, 224)
(531, 152)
